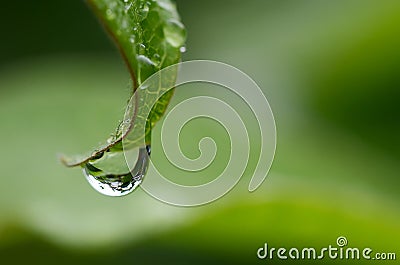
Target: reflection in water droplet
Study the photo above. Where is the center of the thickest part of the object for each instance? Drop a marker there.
(97, 155)
(118, 184)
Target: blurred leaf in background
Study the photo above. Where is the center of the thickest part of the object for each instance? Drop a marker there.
(330, 72)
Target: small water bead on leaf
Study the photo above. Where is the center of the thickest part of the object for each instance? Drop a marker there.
(182, 49)
(156, 59)
(146, 67)
(128, 5)
(141, 48)
(166, 5)
(174, 33)
(110, 15)
(144, 11)
(124, 24)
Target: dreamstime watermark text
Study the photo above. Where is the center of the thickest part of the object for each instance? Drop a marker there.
(338, 251)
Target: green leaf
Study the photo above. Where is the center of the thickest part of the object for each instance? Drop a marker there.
(150, 37)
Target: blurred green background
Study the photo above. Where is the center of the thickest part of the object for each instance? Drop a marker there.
(331, 73)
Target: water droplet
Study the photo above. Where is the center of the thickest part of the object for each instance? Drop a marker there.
(143, 60)
(141, 48)
(156, 59)
(124, 24)
(143, 86)
(118, 184)
(110, 14)
(144, 10)
(166, 5)
(182, 49)
(128, 6)
(174, 32)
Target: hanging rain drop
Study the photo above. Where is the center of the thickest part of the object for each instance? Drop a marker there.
(114, 184)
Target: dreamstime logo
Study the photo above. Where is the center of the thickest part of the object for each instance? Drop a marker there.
(340, 251)
(219, 74)
(341, 241)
